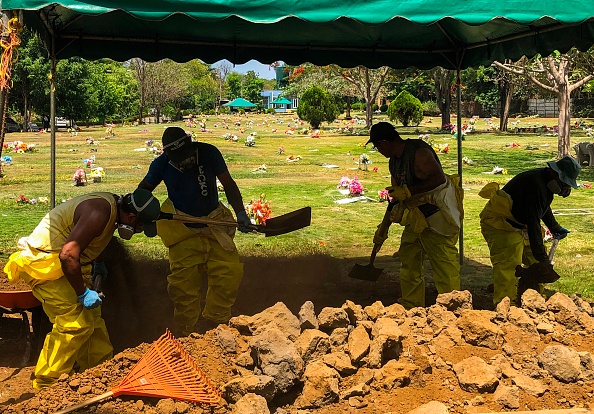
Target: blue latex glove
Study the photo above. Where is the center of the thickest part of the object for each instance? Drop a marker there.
(243, 221)
(99, 269)
(89, 299)
(561, 233)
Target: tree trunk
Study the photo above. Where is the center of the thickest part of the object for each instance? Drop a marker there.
(443, 79)
(140, 115)
(446, 110)
(368, 113)
(505, 93)
(564, 121)
(348, 108)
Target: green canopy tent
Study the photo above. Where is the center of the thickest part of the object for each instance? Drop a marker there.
(280, 104)
(281, 101)
(373, 33)
(240, 103)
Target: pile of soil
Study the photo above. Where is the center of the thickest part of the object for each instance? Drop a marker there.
(138, 311)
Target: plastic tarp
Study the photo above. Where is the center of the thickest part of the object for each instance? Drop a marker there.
(397, 33)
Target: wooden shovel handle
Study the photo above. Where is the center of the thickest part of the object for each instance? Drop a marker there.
(202, 220)
(85, 403)
(376, 248)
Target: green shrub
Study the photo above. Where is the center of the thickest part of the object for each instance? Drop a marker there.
(358, 106)
(374, 107)
(384, 108)
(406, 108)
(317, 105)
(430, 108)
(270, 111)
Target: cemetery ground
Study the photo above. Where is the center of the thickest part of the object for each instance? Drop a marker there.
(292, 166)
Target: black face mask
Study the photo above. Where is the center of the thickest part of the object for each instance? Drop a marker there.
(565, 191)
(559, 188)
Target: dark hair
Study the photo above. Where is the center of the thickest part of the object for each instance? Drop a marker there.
(383, 131)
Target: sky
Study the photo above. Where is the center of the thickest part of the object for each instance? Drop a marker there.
(262, 70)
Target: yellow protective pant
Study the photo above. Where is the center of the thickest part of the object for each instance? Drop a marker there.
(442, 254)
(508, 248)
(78, 334)
(189, 260)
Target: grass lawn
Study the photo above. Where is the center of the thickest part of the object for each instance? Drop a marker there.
(338, 230)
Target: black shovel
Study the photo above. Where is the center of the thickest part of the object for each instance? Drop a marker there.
(275, 226)
(369, 271)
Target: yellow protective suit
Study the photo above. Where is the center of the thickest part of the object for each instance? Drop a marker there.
(78, 334)
(508, 246)
(433, 238)
(194, 252)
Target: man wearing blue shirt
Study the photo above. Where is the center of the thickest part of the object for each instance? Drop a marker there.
(189, 171)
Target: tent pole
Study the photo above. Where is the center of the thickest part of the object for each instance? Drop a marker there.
(52, 79)
(459, 134)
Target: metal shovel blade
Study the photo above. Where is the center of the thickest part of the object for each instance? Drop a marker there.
(287, 223)
(365, 272)
(368, 271)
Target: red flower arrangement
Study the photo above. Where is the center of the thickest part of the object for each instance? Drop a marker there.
(259, 210)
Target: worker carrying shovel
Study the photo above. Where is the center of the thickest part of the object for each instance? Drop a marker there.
(428, 203)
(189, 171)
(511, 224)
(56, 261)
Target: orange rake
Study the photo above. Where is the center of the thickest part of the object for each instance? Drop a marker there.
(165, 371)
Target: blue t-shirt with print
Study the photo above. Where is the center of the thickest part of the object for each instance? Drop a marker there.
(193, 191)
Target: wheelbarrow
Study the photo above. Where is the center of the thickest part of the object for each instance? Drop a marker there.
(21, 301)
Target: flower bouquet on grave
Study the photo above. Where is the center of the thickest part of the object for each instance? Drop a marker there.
(343, 185)
(364, 160)
(79, 177)
(259, 210)
(97, 174)
(355, 187)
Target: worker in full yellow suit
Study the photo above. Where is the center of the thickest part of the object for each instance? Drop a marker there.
(56, 260)
(190, 171)
(428, 203)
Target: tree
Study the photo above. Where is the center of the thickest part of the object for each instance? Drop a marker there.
(369, 83)
(317, 105)
(166, 81)
(29, 76)
(303, 77)
(222, 71)
(203, 85)
(75, 97)
(234, 85)
(252, 86)
(444, 78)
(560, 74)
(139, 67)
(406, 108)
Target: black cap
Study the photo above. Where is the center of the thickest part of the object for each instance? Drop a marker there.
(382, 131)
(147, 209)
(177, 144)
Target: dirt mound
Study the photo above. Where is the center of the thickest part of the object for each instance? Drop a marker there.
(372, 358)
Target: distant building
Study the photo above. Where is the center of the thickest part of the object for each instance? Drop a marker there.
(271, 99)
